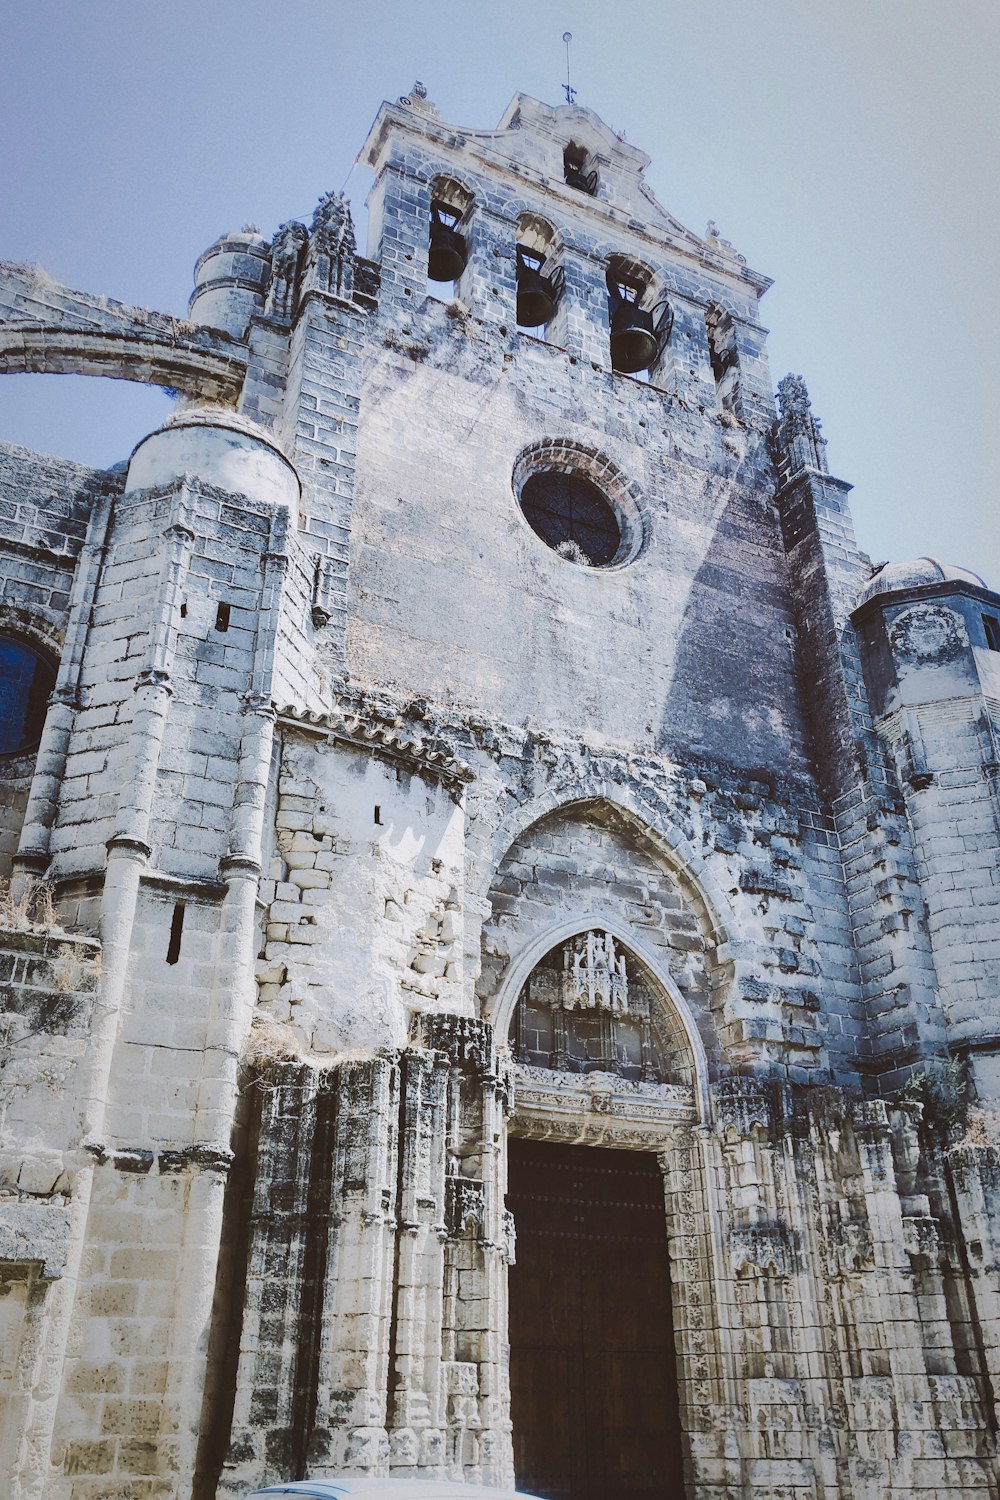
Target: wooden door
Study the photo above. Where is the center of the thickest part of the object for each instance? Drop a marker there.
(592, 1368)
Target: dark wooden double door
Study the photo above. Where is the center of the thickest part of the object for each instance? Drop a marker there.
(592, 1367)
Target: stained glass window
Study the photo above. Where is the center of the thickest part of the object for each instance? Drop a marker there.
(26, 680)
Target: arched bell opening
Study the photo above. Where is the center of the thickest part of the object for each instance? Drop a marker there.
(640, 318)
(724, 355)
(448, 245)
(579, 171)
(591, 1006)
(540, 277)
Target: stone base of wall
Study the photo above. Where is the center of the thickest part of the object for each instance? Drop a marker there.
(834, 1296)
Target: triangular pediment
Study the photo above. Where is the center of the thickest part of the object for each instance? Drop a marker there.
(576, 123)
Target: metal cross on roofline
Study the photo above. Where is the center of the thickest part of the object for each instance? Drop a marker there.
(568, 89)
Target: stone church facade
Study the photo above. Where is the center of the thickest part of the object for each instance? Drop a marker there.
(500, 969)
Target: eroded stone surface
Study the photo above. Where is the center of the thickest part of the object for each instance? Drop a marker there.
(319, 794)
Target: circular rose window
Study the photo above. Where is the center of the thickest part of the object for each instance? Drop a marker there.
(26, 680)
(572, 516)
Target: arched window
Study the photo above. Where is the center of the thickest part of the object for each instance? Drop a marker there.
(639, 320)
(26, 681)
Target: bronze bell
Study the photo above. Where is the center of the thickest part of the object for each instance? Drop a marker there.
(633, 342)
(636, 335)
(574, 173)
(536, 295)
(447, 256)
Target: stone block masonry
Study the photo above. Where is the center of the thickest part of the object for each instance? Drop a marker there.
(362, 813)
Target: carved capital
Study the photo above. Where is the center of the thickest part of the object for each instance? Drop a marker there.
(921, 1239)
(761, 1249)
(467, 1041)
(743, 1106)
(852, 1246)
(465, 1205)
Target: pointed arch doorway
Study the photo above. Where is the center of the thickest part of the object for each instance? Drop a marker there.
(604, 1068)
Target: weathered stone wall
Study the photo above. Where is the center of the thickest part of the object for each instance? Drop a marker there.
(365, 895)
(333, 761)
(47, 982)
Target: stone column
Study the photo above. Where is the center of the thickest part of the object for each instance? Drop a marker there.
(416, 1438)
(288, 1231)
(353, 1380)
(474, 1391)
(701, 1309)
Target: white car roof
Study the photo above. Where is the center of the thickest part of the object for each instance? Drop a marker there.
(385, 1489)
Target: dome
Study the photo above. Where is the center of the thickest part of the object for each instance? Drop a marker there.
(921, 572)
(222, 448)
(248, 234)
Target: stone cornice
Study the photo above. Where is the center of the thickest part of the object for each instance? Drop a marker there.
(367, 729)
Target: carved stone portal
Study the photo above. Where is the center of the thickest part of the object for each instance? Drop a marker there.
(590, 1006)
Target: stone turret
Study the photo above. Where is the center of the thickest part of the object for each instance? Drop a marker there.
(230, 281)
(930, 646)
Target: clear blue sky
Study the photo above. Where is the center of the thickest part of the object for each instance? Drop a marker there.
(849, 148)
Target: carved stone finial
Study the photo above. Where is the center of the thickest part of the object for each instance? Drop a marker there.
(286, 266)
(796, 436)
(417, 99)
(712, 230)
(330, 259)
(594, 976)
(793, 399)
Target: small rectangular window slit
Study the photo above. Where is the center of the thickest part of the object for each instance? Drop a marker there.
(176, 929)
(184, 609)
(378, 814)
(222, 617)
(992, 627)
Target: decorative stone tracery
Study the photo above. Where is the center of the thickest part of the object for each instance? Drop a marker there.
(589, 1007)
